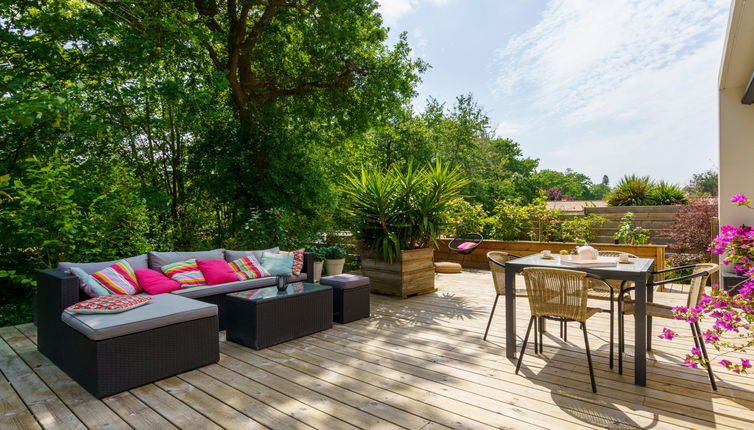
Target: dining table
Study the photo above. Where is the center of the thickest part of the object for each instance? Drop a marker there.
(637, 271)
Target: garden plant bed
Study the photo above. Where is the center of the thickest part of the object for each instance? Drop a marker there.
(413, 274)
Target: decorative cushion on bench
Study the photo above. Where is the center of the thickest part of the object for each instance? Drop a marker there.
(118, 278)
(159, 259)
(298, 260)
(217, 271)
(155, 282)
(248, 267)
(161, 311)
(110, 304)
(185, 272)
(344, 280)
(235, 255)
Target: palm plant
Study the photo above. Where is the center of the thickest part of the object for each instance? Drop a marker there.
(632, 190)
(665, 193)
(393, 210)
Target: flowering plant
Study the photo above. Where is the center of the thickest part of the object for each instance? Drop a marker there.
(733, 315)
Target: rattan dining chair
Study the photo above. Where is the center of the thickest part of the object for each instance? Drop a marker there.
(562, 295)
(497, 261)
(699, 276)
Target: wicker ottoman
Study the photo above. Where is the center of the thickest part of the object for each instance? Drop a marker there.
(265, 316)
(350, 297)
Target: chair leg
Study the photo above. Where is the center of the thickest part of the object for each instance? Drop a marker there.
(536, 337)
(494, 305)
(698, 334)
(561, 329)
(621, 338)
(541, 331)
(612, 329)
(523, 348)
(589, 357)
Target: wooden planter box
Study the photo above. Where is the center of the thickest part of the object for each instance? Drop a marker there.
(413, 274)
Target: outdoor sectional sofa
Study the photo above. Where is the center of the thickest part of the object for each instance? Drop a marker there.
(174, 333)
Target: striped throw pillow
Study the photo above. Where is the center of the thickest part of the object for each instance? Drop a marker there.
(118, 279)
(185, 272)
(298, 260)
(248, 268)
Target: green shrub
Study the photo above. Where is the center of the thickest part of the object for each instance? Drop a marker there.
(318, 252)
(510, 221)
(632, 190)
(334, 252)
(668, 194)
(629, 234)
(581, 229)
(463, 217)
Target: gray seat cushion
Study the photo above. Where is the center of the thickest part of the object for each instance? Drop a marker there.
(230, 287)
(345, 280)
(137, 262)
(159, 259)
(235, 255)
(161, 311)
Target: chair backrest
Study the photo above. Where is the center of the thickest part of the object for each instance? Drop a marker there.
(497, 260)
(557, 292)
(697, 284)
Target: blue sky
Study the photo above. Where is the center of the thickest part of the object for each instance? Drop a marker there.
(600, 86)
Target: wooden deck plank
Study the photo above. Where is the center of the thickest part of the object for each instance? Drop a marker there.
(284, 403)
(171, 408)
(92, 412)
(218, 412)
(13, 412)
(49, 411)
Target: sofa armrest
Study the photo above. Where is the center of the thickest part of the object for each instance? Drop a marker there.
(56, 290)
(308, 266)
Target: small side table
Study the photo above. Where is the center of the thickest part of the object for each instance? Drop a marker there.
(265, 316)
(350, 297)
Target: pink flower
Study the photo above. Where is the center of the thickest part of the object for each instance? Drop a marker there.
(667, 334)
(739, 199)
(696, 351)
(745, 363)
(710, 336)
(725, 363)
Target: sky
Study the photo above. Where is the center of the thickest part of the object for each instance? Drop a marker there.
(604, 87)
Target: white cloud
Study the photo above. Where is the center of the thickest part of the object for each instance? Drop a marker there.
(630, 83)
(392, 10)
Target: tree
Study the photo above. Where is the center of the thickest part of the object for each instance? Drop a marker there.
(704, 183)
(605, 181)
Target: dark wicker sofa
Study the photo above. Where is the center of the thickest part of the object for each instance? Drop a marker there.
(115, 362)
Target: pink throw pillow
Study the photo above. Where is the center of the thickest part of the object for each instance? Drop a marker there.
(466, 245)
(217, 271)
(154, 282)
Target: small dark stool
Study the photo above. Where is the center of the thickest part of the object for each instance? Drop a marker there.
(350, 296)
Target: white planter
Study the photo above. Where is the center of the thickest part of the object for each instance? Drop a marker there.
(334, 267)
(318, 270)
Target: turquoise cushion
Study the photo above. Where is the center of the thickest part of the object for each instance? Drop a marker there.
(278, 264)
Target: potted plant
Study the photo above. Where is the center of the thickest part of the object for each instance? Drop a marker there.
(335, 259)
(396, 216)
(318, 255)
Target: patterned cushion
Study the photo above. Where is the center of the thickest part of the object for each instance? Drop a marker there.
(185, 272)
(118, 278)
(109, 304)
(89, 285)
(298, 260)
(249, 268)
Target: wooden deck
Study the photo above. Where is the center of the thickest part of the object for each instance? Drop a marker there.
(418, 363)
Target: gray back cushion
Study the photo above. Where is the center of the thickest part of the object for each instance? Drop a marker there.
(159, 259)
(137, 262)
(235, 255)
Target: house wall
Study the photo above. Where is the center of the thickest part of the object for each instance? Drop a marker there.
(736, 156)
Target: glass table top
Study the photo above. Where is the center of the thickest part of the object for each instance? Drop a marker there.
(272, 293)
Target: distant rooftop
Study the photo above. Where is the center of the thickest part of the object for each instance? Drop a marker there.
(575, 205)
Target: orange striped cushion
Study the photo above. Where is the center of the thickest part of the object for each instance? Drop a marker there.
(185, 272)
(249, 268)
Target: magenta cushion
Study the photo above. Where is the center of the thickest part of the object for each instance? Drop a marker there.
(217, 271)
(154, 282)
(466, 245)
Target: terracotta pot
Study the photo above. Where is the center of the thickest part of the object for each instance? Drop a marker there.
(334, 267)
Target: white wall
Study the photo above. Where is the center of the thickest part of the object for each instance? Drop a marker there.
(736, 156)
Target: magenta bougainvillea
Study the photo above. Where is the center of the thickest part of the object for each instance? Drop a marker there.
(732, 315)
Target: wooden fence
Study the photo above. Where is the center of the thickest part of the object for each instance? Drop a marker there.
(657, 219)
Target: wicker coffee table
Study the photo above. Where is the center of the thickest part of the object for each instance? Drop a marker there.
(265, 316)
